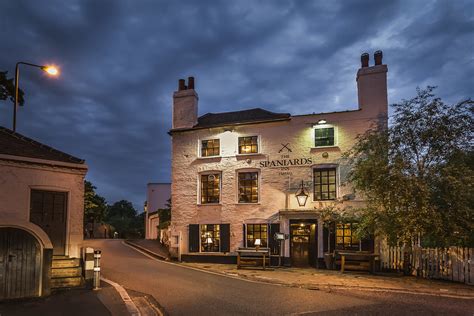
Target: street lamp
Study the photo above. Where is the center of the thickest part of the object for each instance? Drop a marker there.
(301, 195)
(51, 70)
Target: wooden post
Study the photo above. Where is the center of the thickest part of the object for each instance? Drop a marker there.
(343, 262)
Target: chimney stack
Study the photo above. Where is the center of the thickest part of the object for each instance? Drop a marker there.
(372, 86)
(185, 105)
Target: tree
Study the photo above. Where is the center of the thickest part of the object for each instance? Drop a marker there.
(95, 206)
(417, 174)
(124, 218)
(164, 215)
(7, 89)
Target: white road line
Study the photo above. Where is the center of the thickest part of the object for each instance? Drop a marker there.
(131, 307)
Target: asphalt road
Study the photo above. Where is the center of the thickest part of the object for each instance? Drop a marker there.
(182, 291)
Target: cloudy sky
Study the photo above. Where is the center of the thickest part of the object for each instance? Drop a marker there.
(121, 60)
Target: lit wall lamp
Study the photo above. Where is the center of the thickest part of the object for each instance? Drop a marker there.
(302, 195)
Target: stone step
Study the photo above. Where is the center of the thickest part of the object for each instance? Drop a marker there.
(66, 272)
(57, 283)
(66, 263)
(55, 257)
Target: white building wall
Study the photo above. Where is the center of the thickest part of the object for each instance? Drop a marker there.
(277, 185)
(17, 179)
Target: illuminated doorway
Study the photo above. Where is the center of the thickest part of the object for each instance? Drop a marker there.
(303, 242)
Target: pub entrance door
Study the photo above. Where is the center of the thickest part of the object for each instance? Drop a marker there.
(303, 242)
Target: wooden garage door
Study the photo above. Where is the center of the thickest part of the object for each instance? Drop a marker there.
(48, 211)
(20, 264)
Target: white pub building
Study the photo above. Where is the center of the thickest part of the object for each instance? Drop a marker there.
(240, 177)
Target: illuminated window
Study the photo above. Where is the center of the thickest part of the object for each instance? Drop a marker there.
(257, 231)
(210, 238)
(323, 136)
(210, 188)
(324, 184)
(248, 187)
(210, 148)
(248, 145)
(345, 237)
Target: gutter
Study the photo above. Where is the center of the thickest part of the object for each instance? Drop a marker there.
(82, 166)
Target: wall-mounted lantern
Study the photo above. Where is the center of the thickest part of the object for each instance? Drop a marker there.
(302, 195)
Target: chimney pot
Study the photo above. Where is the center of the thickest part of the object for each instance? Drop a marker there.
(190, 82)
(181, 85)
(378, 55)
(364, 60)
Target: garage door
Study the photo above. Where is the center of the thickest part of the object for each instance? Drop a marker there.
(20, 264)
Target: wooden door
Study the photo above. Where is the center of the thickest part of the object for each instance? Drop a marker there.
(20, 264)
(49, 211)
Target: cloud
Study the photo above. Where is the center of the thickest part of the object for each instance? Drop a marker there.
(120, 62)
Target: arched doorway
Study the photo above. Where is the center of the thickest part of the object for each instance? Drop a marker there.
(20, 264)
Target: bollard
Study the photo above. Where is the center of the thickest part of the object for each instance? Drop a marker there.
(97, 254)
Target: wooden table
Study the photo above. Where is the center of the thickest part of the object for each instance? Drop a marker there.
(358, 257)
(252, 254)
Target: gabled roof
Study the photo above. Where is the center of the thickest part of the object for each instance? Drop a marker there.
(15, 144)
(239, 117)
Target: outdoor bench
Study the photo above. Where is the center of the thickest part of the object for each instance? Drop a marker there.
(355, 260)
(251, 257)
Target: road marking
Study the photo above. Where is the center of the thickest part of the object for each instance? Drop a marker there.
(400, 291)
(131, 307)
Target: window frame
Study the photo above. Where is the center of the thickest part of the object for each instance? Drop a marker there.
(353, 245)
(208, 139)
(213, 232)
(325, 126)
(336, 181)
(267, 241)
(200, 188)
(238, 185)
(259, 145)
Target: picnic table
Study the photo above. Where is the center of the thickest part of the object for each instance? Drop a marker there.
(251, 257)
(358, 260)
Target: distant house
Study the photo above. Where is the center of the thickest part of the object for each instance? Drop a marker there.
(157, 196)
(41, 217)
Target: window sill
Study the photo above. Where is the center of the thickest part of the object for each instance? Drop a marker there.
(249, 155)
(209, 204)
(258, 203)
(208, 158)
(325, 147)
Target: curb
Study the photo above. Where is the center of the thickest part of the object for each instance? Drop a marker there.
(324, 287)
(149, 252)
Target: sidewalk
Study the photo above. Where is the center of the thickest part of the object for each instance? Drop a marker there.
(69, 302)
(322, 279)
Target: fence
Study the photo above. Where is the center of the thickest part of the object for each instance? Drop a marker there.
(453, 263)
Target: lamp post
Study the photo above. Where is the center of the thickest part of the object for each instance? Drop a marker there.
(51, 70)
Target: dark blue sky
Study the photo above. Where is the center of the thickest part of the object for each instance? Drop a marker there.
(121, 61)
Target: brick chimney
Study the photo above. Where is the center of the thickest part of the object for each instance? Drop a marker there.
(185, 105)
(372, 86)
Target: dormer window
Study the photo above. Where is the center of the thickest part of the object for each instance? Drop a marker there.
(248, 145)
(210, 148)
(324, 136)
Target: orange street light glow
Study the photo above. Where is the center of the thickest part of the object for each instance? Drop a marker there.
(52, 70)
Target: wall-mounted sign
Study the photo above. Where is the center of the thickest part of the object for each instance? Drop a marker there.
(284, 162)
